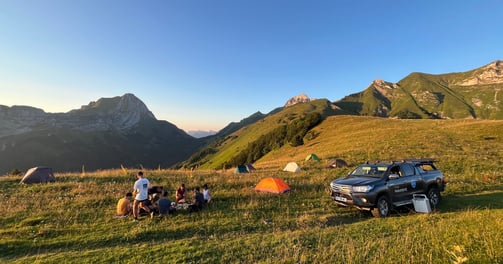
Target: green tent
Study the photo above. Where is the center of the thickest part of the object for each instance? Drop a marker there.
(241, 169)
(312, 156)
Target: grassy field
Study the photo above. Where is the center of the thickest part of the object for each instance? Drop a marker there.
(72, 220)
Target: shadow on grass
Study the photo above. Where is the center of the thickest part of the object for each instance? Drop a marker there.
(39, 245)
(344, 220)
(449, 203)
(489, 199)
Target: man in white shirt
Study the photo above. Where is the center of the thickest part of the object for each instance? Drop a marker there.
(140, 191)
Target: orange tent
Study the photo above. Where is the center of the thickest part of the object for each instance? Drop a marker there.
(273, 185)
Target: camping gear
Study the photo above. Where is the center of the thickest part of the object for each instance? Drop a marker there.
(337, 163)
(38, 175)
(272, 185)
(312, 156)
(421, 203)
(292, 167)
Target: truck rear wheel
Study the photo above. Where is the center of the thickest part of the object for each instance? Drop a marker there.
(434, 196)
(382, 208)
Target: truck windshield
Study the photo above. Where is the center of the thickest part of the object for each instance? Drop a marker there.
(369, 171)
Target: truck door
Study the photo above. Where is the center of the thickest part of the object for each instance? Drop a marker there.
(413, 180)
(398, 188)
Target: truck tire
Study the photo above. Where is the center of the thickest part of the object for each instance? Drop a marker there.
(434, 197)
(383, 207)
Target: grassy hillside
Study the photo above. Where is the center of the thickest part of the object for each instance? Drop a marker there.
(219, 154)
(71, 220)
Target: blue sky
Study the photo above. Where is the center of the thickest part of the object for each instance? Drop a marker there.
(204, 64)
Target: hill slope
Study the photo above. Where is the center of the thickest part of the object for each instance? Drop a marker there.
(241, 225)
(251, 142)
(358, 139)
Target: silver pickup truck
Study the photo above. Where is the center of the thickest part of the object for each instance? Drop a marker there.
(377, 187)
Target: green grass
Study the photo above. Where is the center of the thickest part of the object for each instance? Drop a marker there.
(71, 220)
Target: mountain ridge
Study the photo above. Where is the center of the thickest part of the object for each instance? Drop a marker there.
(472, 94)
(417, 96)
(116, 131)
(108, 133)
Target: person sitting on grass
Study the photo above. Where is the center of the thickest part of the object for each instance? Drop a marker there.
(165, 205)
(155, 203)
(124, 207)
(197, 201)
(181, 195)
(206, 193)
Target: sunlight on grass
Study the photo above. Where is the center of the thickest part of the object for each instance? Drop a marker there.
(72, 220)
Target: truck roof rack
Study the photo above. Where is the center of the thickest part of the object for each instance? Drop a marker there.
(421, 160)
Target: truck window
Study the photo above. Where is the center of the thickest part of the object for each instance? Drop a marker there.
(396, 170)
(426, 167)
(407, 170)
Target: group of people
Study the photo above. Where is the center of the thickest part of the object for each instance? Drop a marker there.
(147, 201)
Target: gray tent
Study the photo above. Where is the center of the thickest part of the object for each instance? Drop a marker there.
(38, 175)
(337, 163)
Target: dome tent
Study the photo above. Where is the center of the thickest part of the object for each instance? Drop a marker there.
(272, 185)
(292, 167)
(312, 156)
(38, 175)
(241, 169)
(337, 163)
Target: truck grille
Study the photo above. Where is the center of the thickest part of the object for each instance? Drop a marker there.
(340, 188)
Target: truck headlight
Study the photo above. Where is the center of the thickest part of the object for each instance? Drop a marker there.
(364, 188)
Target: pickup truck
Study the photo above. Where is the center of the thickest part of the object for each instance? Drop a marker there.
(377, 187)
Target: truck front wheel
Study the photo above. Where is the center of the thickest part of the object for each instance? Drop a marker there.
(382, 208)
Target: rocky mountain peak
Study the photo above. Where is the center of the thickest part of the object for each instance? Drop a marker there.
(126, 104)
(118, 112)
(302, 98)
(129, 103)
(383, 87)
(378, 82)
(489, 74)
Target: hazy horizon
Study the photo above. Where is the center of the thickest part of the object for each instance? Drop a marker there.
(201, 65)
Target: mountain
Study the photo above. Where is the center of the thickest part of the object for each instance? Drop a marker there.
(250, 142)
(121, 130)
(302, 98)
(104, 134)
(473, 94)
(234, 126)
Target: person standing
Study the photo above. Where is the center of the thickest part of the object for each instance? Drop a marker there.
(140, 190)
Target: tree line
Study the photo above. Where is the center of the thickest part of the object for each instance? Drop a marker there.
(292, 133)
